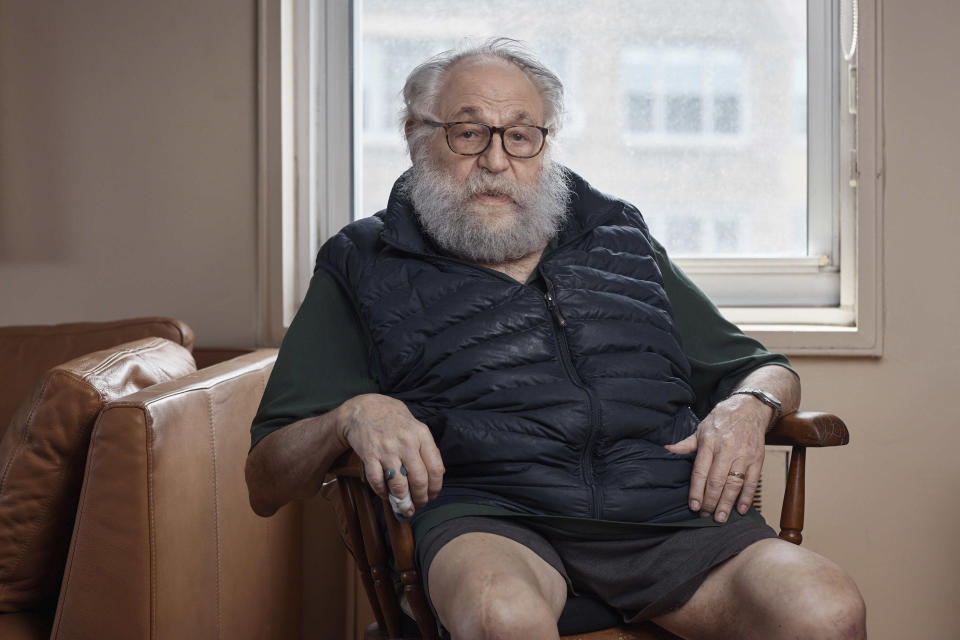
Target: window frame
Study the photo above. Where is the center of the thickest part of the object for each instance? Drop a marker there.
(299, 164)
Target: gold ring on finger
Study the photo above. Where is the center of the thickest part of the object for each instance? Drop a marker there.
(737, 474)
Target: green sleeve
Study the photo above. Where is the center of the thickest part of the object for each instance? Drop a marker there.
(323, 361)
(720, 355)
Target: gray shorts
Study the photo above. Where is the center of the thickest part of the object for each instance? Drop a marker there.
(640, 572)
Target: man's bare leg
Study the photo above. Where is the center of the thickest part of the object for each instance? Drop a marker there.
(772, 589)
(488, 586)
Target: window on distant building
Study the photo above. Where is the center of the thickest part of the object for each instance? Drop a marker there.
(674, 94)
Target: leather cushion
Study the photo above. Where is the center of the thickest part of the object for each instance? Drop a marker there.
(26, 352)
(30, 625)
(43, 452)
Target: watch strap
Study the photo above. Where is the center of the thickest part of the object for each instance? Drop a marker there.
(766, 398)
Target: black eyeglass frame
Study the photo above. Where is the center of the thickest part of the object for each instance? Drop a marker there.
(501, 130)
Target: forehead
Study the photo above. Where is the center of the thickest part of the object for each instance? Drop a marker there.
(495, 91)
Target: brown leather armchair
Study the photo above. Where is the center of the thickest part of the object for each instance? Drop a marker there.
(390, 598)
(129, 463)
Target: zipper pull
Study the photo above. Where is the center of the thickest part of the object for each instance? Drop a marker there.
(555, 309)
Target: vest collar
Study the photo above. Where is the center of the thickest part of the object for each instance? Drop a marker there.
(587, 209)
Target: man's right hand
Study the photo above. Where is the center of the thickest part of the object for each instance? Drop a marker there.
(385, 435)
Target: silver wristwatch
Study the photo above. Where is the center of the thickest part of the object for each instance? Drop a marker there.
(765, 398)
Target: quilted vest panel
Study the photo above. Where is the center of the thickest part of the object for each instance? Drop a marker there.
(555, 399)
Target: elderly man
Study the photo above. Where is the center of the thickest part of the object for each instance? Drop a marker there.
(518, 363)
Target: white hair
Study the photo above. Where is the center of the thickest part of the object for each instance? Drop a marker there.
(423, 85)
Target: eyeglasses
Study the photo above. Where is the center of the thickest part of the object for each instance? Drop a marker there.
(473, 138)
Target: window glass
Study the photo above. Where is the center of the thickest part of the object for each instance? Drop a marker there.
(695, 112)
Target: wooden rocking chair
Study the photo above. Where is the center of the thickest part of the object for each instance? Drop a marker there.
(390, 599)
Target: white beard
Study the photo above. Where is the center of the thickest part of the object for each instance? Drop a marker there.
(461, 226)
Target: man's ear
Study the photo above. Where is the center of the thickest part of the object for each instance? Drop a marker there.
(408, 127)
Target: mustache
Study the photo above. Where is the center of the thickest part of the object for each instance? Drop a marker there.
(497, 184)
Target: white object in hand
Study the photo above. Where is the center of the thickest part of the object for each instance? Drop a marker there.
(400, 504)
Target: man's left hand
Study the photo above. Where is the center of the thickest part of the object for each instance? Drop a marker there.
(729, 447)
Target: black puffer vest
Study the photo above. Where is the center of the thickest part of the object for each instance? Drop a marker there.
(555, 399)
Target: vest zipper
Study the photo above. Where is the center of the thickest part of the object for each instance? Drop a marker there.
(555, 310)
(560, 323)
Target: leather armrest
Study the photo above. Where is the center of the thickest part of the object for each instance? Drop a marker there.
(809, 429)
(165, 543)
(31, 350)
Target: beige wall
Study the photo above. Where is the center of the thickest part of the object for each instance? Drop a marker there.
(127, 163)
(886, 507)
(127, 186)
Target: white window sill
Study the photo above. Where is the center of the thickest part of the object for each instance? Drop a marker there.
(810, 331)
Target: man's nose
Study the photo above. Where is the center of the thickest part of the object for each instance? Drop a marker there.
(494, 159)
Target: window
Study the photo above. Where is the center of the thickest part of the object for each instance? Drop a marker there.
(734, 127)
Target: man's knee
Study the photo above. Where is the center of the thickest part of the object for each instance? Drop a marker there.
(832, 607)
(488, 586)
(817, 599)
(501, 606)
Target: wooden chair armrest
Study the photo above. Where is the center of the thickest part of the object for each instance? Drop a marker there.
(371, 554)
(347, 465)
(401, 540)
(802, 430)
(809, 429)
